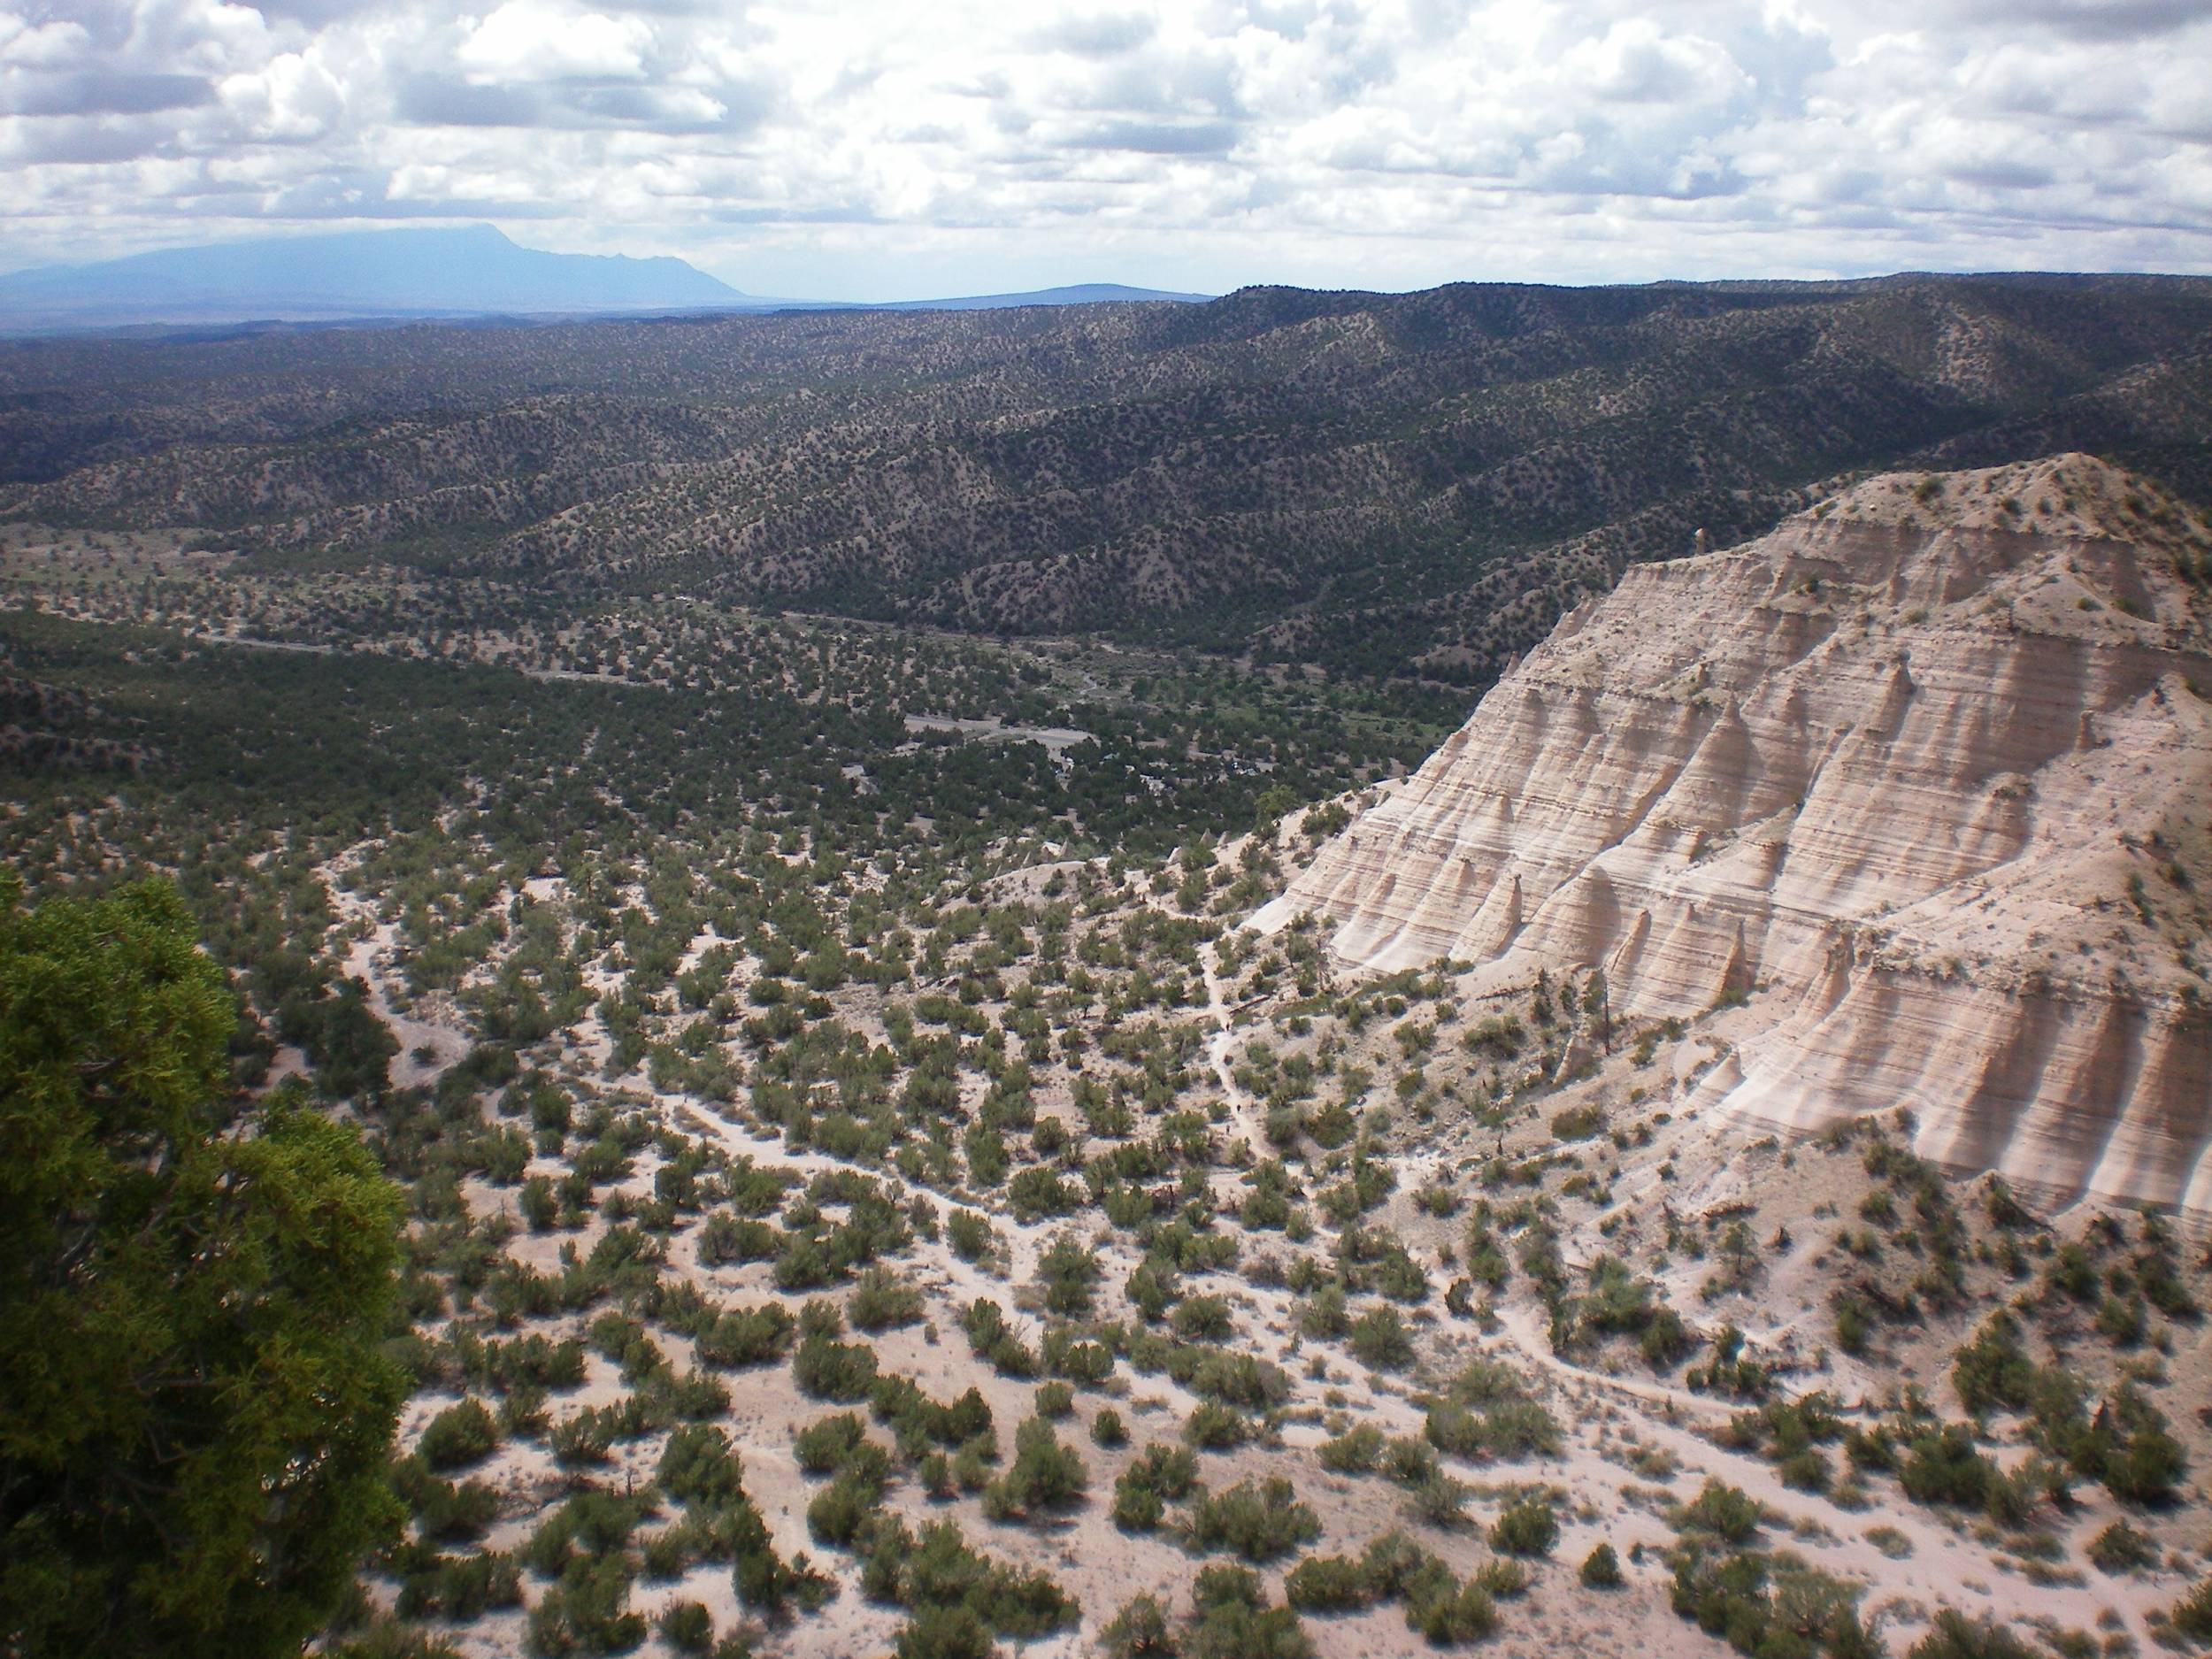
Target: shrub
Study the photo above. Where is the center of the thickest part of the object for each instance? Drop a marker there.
(1526, 1528)
(841, 1372)
(1855, 1324)
(1994, 1369)
(1503, 1578)
(1234, 1621)
(1578, 1122)
(586, 1438)
(1044, 1476)
(699, 1465)
(841, 1509)
(990, 1337)
(458, 1436)
(1721, 1510)
(822, 1446)
(1447, 1612)
(883, 1300)
(1943, 1467)
(1203, 1319)
(1806, 1469)
(468, 1586)
(1602, 1568)
(1137, 1507)
(1140, 1631)
(726, 1237)
(1380, 1339)
(1107, 1428)
(2192, 1615)
(2132, 1451)
(1511, 1429)
(444, 1510)
(1393, 1562)
(1358, 1451)
(540, 1207)
(1086, 1363)
(1171, 1470)
(935, 1474)
(1069, 1274)
(1213, 1427)
(1440, 1500)
(1407, 1462)
(1037, 1192)
(751, 1336)
(1327, 1583)
(1237, 1380)
(1955, 1636)
(944, 1633)
(586, 1611)
(2121, 1548)
(688, 1627)
(969, 1234)
(1260, 1523)
(1055, 1400)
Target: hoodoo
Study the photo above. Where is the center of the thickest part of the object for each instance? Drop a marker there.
(1923, 777)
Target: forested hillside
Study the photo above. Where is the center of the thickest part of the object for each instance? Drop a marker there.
(1382, 484)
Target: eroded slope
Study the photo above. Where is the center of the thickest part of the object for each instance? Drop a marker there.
(1922, 774)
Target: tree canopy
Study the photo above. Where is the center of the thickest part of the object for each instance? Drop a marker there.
(195, 1415)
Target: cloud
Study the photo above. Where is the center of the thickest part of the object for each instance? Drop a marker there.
(1639, 62)
(2090, 19)
(1097, 35)
(845, 147)
(438, 100)
(96, 93)
(51, 45)
(1100, 34)
(526, 40)
(1158, 138)
(293, 99)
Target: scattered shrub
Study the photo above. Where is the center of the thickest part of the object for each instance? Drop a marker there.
(1602, 1568)
(458, 1436)
(1261, 1522)
(1526, 1528)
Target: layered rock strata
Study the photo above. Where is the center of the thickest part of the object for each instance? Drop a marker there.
(1924, 777)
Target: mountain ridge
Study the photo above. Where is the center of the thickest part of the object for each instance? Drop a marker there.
(1416, 484)
(464, 270)
(444, 274)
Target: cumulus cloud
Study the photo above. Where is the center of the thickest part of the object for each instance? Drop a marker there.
(526, 40)
(856, 147)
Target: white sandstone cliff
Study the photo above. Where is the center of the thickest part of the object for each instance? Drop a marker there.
(1925, 774)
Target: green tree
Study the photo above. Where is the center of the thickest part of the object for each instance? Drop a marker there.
(194, 1415)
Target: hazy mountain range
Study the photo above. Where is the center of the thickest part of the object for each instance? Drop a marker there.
(364, 275)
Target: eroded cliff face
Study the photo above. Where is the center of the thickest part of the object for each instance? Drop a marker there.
(1924, 777)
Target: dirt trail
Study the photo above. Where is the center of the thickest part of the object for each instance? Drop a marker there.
(1243, 1109)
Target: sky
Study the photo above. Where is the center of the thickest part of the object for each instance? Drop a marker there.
(885, 148)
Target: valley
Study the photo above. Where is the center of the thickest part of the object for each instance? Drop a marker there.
(946, 1112)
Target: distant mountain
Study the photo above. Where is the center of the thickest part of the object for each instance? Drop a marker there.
(1081, 293)
(381, 275)
(1375, 483)
(466, 271)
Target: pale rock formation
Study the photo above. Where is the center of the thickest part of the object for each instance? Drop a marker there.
(1925, 775)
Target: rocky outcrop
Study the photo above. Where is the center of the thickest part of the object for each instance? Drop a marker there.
(1923, 776)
